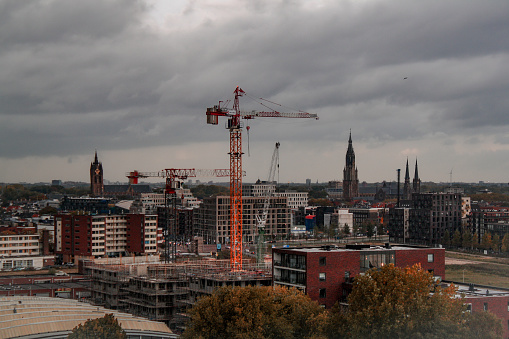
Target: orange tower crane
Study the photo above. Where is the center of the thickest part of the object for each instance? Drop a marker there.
(234, 125)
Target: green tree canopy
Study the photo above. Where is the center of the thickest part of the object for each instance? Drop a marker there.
(106, 327)
(255, 312)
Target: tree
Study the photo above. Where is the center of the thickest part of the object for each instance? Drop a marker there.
(484, 325)
(505, 243)
(48, 210)
(466, 239)
(396, 302)
(475, 241)
(346, 229)
(370, 229)
(106, 327)
(446, 240)
(456, 239)
(495, 243)
(486, 242)
(254, 312)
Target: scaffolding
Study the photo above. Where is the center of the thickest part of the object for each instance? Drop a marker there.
(163, 292)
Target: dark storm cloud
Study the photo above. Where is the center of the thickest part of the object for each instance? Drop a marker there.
(89, 74)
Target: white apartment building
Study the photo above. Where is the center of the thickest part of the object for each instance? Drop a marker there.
(150, 201)
(19, 245)
(262, 189)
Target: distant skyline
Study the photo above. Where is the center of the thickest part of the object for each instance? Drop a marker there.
(132, 79)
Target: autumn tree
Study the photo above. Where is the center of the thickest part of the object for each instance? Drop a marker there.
(505, 243)
(255, 312)
(396, 302)
(483, 325)
(495, 243)
(486, 242)
(106, 327)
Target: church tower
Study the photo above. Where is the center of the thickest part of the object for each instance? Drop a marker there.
(407, 191)
(350, 180)
(417, 181)
(96, 178)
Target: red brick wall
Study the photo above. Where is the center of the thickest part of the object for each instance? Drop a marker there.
(409, 257)
(336, 265)
(497, 305)
(135, 233)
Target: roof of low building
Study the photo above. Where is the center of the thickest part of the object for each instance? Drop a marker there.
(44, 317)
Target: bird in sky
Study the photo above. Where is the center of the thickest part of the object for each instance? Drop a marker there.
(405, 78)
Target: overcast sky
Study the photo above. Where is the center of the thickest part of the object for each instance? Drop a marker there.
(425, 80)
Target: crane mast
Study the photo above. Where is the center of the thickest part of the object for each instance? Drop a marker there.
(267, 193)
(234, 125)
(173, 177)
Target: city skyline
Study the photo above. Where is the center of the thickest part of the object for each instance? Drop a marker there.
(133, 79)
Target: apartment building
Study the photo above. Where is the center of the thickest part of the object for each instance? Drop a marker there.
(325, 273)
(430, 216)
(104, 235)
(212, 219)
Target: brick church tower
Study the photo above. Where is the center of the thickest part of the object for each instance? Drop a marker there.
(350, 179)
(96, 178)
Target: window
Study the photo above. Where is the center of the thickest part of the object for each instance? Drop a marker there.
(469, 308)
(485, 306)
(321, 276)
(508, 306)
(430, 257)
(322, 293)
(323, 261)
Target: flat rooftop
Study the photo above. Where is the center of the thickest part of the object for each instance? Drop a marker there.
(352, 247)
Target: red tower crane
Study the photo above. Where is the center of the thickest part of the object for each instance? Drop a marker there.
(234, 125)
(173, 177)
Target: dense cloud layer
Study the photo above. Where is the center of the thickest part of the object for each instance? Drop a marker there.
(426, 79)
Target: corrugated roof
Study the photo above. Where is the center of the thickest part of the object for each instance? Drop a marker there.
(22, 316)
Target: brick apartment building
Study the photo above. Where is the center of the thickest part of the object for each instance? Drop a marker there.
(104, 235)
(325, 273)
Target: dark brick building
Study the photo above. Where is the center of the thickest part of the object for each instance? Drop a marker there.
(430, 215)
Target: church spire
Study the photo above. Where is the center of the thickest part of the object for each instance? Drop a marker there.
(350, 178)
(416, 175)
(417, 181)
(407, 192)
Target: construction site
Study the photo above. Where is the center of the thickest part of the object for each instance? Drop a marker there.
(163, 290)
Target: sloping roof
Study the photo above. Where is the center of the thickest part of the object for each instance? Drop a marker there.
(44, 317)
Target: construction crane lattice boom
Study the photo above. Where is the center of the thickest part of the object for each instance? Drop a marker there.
(234, 125)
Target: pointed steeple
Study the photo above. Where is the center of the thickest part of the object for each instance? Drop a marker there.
(416, 182)
(416, 175)
(350, 178)
(350, 154)
(407, 192)
(96, 160)
(407, 174)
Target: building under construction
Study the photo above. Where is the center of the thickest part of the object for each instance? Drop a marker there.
(163, 292)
